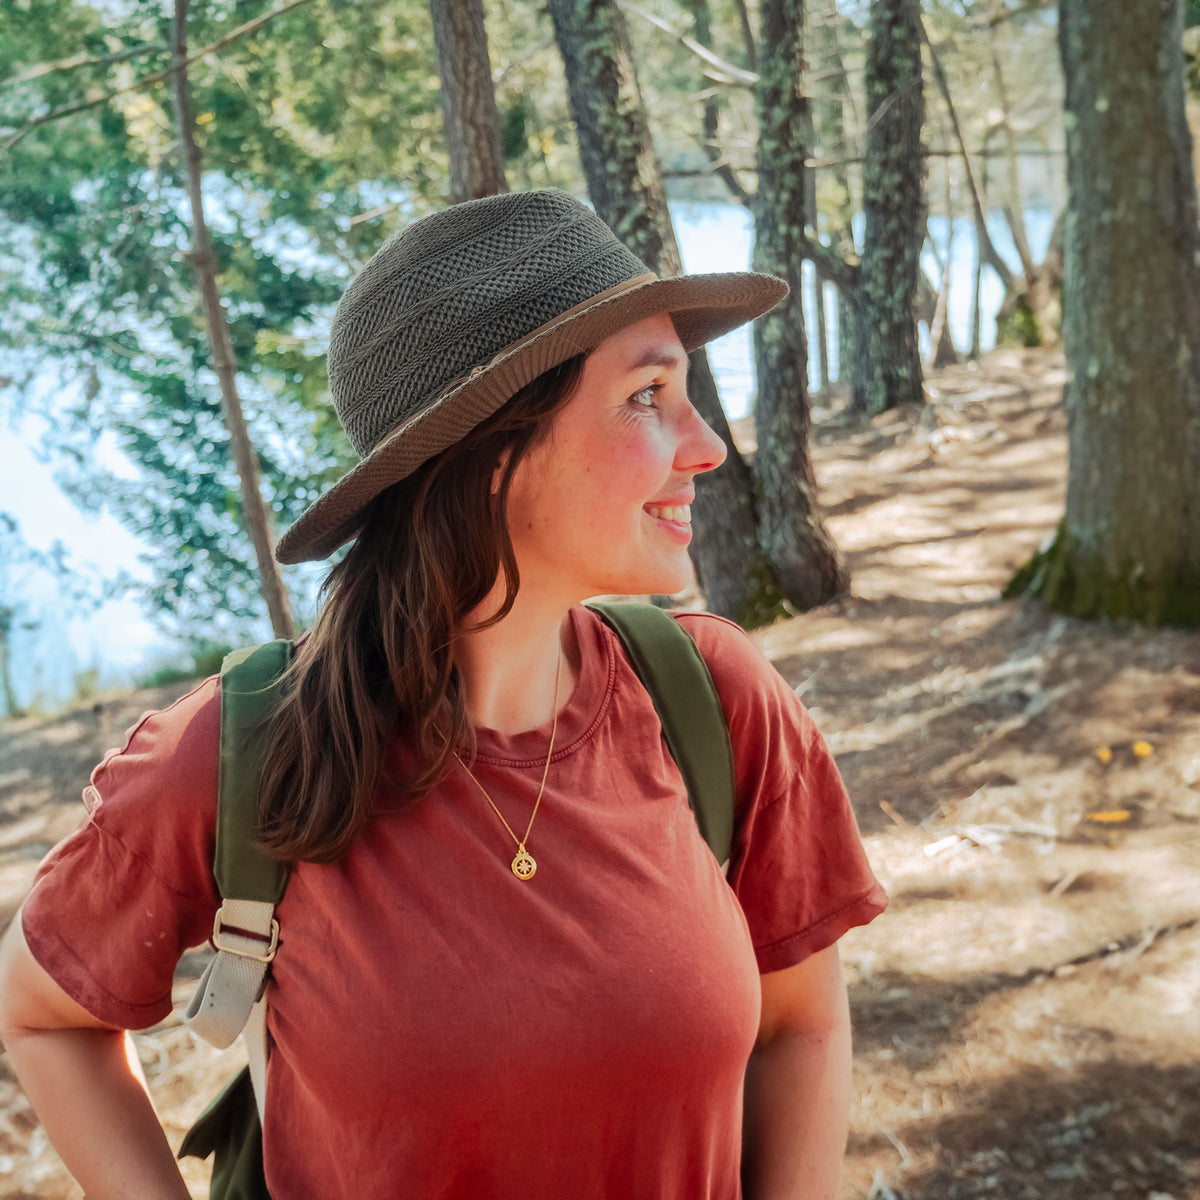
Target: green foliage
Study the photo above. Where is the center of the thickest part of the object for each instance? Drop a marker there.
(305, 125)
(1020, 327)
(206, 659)
(765, 602)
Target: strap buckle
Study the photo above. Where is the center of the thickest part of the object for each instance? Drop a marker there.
(242, 936)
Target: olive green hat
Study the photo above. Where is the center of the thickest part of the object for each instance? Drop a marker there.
(458, 312)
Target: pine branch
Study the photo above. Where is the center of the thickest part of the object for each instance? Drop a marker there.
(143, 81)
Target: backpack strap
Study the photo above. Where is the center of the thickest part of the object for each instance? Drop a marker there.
(675, 674)
(245, 932)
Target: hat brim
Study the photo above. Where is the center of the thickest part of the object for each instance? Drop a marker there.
(702, 307)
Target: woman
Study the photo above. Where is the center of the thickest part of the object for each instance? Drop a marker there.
(509, 965)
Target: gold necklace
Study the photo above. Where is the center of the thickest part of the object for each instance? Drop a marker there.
(523, 864)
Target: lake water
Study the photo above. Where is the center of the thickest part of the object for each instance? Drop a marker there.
(114, 644)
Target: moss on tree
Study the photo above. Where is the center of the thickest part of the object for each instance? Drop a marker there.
(1070, 581)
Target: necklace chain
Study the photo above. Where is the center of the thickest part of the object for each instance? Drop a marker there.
(523, 865)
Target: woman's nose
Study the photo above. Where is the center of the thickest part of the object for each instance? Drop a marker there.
(700, 448)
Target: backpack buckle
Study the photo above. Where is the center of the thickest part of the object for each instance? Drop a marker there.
(233, 939)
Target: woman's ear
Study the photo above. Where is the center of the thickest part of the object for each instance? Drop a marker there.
(499, 469)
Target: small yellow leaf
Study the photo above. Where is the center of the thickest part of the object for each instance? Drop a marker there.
(205, 118)
(1142, 749)
(1104, 754)
(1108, 816)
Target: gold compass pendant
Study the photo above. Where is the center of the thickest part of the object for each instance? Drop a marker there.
(523, 866)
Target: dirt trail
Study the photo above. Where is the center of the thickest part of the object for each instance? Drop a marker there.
(1026, 1012)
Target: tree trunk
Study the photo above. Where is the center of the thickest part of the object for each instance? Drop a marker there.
(941, 343)
(471, 121)
(7, 692)
(625, 184)
(702, 18)
(977, 279)
(747, 29)
(1032, 315)
(1014, 210)
(789, 519)
(831, 103)
(812, 220)
(976, 351)
(1129, 544)
(893, 206)
(258, 520)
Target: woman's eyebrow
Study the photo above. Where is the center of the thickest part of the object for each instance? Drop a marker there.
(657, 356)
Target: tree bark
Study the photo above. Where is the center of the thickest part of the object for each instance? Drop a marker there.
(258, 520)
(791, 529)
(7, 692)
(1014, 210)
(941, 343)
(831, 103)
(893, 206)
(724, 171)
(747, 29)
(471, 120)
(1129, 544)
(625, 184)
(812, 220)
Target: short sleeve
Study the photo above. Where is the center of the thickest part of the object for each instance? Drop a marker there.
(115, 905)
(798, 866)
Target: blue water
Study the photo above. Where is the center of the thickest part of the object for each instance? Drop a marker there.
(720, 238)
(49, 649)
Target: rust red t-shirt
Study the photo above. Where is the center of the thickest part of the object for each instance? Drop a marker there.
(440, 1029)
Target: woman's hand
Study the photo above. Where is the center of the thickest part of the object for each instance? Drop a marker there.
(78, 1076)
(798, 1084)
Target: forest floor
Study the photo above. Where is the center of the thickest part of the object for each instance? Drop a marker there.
(1026, 1011)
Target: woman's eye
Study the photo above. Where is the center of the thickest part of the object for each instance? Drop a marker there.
(645, 397)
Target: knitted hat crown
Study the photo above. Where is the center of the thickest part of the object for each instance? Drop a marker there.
(454, 315)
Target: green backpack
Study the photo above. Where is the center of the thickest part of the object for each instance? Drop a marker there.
(230, 998)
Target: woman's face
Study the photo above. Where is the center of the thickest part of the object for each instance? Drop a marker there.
(602, 504)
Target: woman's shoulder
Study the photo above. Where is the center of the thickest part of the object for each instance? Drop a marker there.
(744, 677)
(115, 904)
(155, 795)
(178, 744)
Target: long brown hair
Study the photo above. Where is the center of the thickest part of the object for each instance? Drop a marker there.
(379, 657)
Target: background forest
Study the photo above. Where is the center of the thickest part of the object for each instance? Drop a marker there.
(959, 509)
(918, 180)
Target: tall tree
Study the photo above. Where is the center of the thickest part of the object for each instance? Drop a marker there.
(790, 527)
(468, 100)
(626, 186)
(258, 521)
(893, 206)
(833, 102)
(1129, 544)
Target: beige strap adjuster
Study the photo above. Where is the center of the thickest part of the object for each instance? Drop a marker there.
(231, 939)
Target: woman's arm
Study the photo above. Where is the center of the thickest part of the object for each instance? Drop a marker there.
(79, 1080)
(798, 1084)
